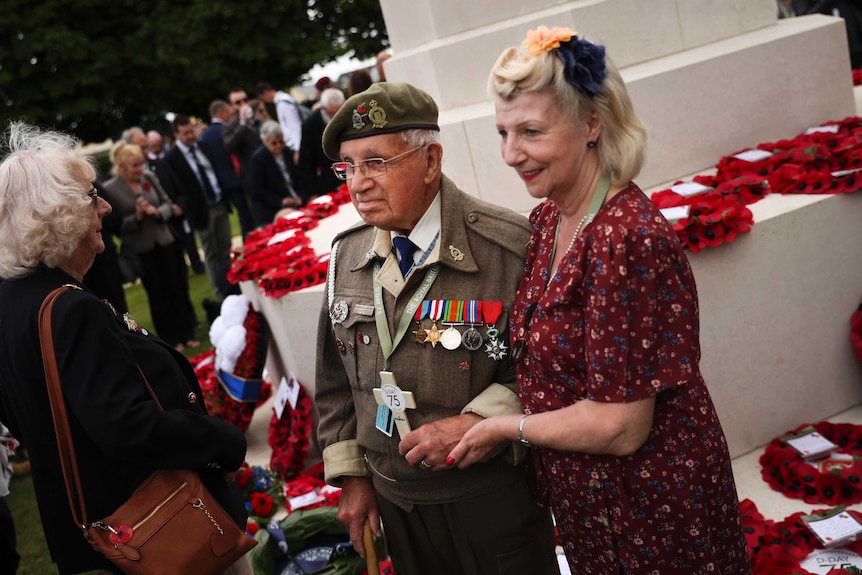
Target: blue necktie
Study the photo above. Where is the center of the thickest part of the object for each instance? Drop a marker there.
(204, 177)
(404, 249)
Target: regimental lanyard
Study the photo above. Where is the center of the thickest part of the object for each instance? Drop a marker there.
(387, 343)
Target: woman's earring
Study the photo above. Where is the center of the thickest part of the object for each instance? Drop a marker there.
(591, 144)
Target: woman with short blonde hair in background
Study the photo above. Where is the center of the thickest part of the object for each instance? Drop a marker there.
(146, 212)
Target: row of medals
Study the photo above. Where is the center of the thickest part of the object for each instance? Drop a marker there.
(452, 339)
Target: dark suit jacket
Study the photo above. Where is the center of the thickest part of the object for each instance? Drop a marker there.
(315, 167)
(240, 141)
(266, 186)
(119, 433)
(213, 137)
(191, 197)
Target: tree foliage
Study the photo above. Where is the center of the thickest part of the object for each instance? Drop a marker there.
(93, 67)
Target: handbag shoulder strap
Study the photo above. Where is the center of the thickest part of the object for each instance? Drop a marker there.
(66, 450)
(68, 461)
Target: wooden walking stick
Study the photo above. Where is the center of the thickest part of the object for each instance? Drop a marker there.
(370, 550)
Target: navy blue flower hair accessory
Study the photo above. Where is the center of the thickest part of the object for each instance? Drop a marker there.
(583, 61)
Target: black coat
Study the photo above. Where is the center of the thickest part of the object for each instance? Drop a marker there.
(241, 141)
(266, 185)
(119, 433)
(314, 166)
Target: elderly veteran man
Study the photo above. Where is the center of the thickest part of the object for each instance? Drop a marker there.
(415, 338)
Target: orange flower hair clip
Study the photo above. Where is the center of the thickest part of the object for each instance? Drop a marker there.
(544, 39)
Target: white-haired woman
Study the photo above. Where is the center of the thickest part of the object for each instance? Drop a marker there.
(146, 211)
(626, 441)
(50, 232)
(273, 182)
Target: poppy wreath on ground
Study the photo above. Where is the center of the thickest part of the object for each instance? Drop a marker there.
(279, 256)
(754, 526)
(218, 402)
(712, 220)
(825, 161)
(828, 481)
(289, 437)
(311, 481)
(788, 543)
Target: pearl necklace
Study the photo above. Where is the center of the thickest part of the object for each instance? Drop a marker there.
(584, 221)
(575, 235)
(600, 192)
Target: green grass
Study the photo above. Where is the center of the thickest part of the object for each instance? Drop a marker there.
(35, 559)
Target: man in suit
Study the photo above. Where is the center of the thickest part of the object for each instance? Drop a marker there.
(166, 178)
(314, 167)
(203, 200)
(221, 113)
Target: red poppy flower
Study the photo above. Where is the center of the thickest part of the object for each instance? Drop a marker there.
(262, 504)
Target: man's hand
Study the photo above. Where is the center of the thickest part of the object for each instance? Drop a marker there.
(429, 445)
(357, 505)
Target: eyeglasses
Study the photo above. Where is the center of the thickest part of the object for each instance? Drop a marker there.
(370, 168)
(239, 101)
(93, 194)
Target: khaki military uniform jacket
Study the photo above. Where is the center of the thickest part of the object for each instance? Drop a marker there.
(481, 251)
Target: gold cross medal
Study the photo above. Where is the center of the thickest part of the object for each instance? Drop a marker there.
(396, 401)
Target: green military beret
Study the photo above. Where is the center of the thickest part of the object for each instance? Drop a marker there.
(384, 108)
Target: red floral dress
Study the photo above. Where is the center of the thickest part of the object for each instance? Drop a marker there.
(618, 322)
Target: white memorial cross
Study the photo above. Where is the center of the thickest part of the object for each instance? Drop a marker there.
(396, 399)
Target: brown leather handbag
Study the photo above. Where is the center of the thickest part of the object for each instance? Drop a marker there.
(171, 525)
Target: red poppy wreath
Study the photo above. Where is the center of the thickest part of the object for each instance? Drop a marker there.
(788, 543)
(289, 437)
(831, 480)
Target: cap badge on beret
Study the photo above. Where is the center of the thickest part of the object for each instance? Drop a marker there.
(362, 115)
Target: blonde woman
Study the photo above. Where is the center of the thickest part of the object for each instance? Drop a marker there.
(626, 442)
(146, 211)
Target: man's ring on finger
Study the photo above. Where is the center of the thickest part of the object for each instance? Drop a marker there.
(424, 464)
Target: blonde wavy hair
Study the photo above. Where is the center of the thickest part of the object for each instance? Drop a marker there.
(120, 152)
(622, 143)
(44, 209)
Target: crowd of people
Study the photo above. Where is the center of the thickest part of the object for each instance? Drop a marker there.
(565, 394)
(170, 194)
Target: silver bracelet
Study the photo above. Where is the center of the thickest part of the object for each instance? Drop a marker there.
(521, 437)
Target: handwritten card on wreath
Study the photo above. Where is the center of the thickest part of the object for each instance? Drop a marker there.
(288, 392)
(833, 528)
(809, 444)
